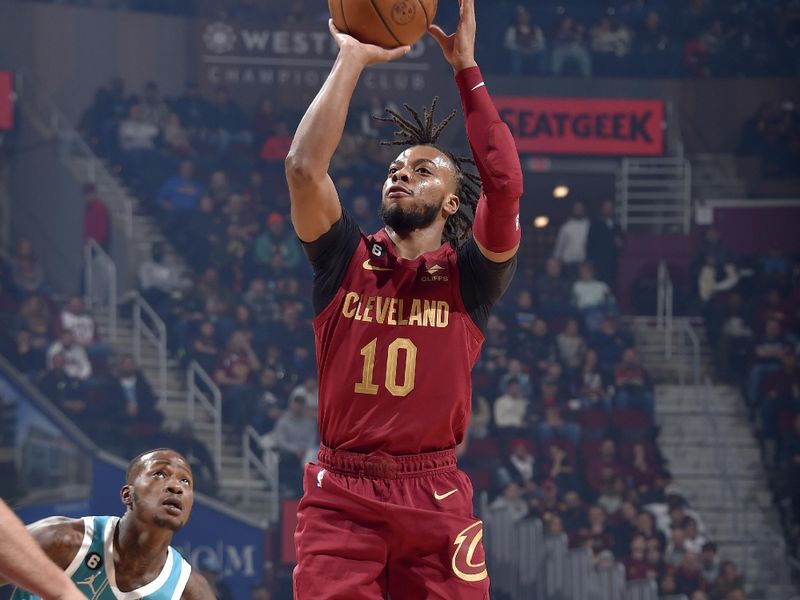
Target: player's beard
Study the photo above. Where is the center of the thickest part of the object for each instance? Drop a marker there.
(164, 524)
(404, 221)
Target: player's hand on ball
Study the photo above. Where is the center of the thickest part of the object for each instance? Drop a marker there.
(459, 47)
(368, 54)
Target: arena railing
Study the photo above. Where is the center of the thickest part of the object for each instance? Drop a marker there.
(203, 392)
(100, 288)
(655, 193)
(46, 114)
(149, 328)
(265, 465)
(664, 307)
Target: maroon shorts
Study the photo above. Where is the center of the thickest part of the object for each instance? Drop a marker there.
(372, 525)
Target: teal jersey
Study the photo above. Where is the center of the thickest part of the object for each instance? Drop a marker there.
(92, 569)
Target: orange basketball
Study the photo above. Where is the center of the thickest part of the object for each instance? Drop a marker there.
(386, 23)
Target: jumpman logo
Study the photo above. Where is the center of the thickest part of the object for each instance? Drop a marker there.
(89, 582)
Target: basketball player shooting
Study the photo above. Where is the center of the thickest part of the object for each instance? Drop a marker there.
(129, 557)
(399, 315)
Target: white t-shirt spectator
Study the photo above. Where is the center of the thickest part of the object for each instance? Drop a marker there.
(137, 135)
(571, 241)
(311, 397)
(81, 326)
(510, 411)
(588, 294)
(76, 361)
(160, 276)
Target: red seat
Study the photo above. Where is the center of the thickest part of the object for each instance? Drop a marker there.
(592, 420)
(481, 479)
(631, 422)
(590, 449)
(485, 447)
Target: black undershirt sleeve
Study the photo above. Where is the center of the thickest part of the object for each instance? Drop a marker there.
(330, 256)
(482, 281)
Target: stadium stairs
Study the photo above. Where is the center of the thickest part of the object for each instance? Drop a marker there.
(714, 458)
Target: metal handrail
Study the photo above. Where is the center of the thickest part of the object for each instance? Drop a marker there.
(71, 141)
(664, 307)
(154, 332)
(268, 468)
(94, 255)
(196, 394)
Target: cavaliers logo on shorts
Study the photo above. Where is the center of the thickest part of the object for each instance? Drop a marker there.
(468, 545)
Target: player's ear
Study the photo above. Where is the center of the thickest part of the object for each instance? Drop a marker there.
(451, 204)
(126, 494)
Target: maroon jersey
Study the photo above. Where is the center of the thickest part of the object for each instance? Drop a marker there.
(396, 342)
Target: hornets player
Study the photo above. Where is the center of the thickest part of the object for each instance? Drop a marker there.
(130, 557)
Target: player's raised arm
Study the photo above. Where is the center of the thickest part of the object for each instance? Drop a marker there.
(496, 226)
(315, 203)
(26, 564)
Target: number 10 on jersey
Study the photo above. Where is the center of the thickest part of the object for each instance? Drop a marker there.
(367, 384)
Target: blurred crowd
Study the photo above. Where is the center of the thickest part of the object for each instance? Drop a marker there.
(752, 309)
(641, 38)
(773, 135)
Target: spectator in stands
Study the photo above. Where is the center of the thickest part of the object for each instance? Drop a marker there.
(76, 361)
(309, 390)
(634, 387)
(23, 356)
(646, 525)
(552, 290)
(233, 373)
(96, 221)
(709, 563)
(688, 576)
(573, 515)
(711, 245)
(180, 194)
(137, 141)
(276, 249)
(154, 109)
(713, 279)
(34, 316)
(158, 280)
(641, 472)
(603, 466)
(622, 526)
(589, 384)
(727, 581)
(176, 137)
(570, 246)
(767, 355)
(611, 497)
(676, 547)
(65, 391)
(525, 44)
(480, 419)
(295, 436)
(609, 343)
(203, 347)
(271, 402)
(603, 244)
(130, 393)
(695, 541)
(101, 121)
(596, 536)
(511, 411)
(571, 346)
(558, 467)
(555, 426)
(510, 499)
(275, 147)
(790, 463)
(264, 121)
(26, 269)
(184, 441)
(226, 122)
(592, 297)
(653, 48)
(636, 564)
(569, 47)
(192, 108)
(519, 465)
(610, 43)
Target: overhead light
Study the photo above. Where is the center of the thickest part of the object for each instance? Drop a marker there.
(541, 222)
(560, 191)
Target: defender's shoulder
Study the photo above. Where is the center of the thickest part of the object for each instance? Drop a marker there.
(197, 588)
(59, 537)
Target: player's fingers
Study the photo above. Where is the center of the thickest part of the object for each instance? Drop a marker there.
(395, 53)
(438, 34)
(333, 29)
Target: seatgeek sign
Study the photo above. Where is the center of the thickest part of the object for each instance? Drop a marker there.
(585, 126)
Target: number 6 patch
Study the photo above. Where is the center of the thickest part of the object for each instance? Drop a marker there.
(93, 561)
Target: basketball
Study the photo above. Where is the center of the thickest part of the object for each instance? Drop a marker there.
(385, 23)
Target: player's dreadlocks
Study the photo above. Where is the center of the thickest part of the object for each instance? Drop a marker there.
(424, 132)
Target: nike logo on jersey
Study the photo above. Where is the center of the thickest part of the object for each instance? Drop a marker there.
(441, 497)
(370, 267)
